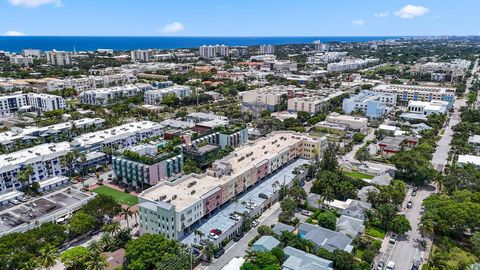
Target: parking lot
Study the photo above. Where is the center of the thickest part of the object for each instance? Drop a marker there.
(220, 219)
(42, 209)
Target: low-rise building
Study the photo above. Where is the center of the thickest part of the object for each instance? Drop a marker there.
(267, 98)
(468, 159)
(405, 93)
(179, 204)
(349, 65)
(26, 101)
(91, 82)
(155, 97)
(325, 238)
(420, 110)
(265, 243)
(353, 122)
(301, 260)
(106, 96)
(372, 104)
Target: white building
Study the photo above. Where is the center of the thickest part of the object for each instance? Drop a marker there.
(36, 53)
(420, 110)
(349, 65)
(353, 122)
(198, 117)
(155, 97)
(311, 105)
(91, 82)
(118, 137)
(59, 58)
(320, 47)
(140, 55)
(372, 104)
(267, 98)
(212, 51)
(44, 159)
(406, 93)
(325, 58)
(468, 159)
(21, 60)
(20, 101)
(267, 49)
(106, 96)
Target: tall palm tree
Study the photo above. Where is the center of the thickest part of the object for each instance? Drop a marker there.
(326, 197)
(127, 213)
(112, 228)
(95, 247)
(106, 241)
(48, 256)
(97, 261)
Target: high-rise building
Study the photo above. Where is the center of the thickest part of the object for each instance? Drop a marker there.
(140, 55)
(212, 51)
(59, 58)
(320, 47)
(32, 53)
(267, 49)
(21, 60)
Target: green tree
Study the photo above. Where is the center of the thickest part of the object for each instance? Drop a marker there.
(171, 100)
(399, 224)
(297, 193)
(329, 160)
(265, 114)
(413, 166)
(81, 223)
(48, 256)
(101, 207)
(327, 219)
(358, 137)
(386, 213)
(264, 230)
(475, 242)
(288, 205)
(303, 116)
(75, 258)
(278, 253)
(343, 260)
(24, 176)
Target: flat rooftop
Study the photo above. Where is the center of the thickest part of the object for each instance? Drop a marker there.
(184, 192)
(32, 154)
(416, 88)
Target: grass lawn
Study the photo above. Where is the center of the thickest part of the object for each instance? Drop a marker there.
(358, 175)
(121, 197)
(375, 232)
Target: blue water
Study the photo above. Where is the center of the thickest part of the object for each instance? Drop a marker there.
(16, 44)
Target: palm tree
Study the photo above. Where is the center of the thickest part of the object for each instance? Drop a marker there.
(48, 256)
(112, 228)
(24, 175)
(127, 213)
(96, 261)
(106, 241)
(95, 247)
(326, 197)
(30, 265)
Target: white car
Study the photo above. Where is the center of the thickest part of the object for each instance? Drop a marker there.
(390, 265)
(15, 202)
(306, 213)
(235, 217)
(255, 223)
(212, 235)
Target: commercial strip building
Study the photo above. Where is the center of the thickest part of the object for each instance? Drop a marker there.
(372, 104)
(155, 97)
(24, 102)
(406, 93)
(91, 82)
(106, 96)
(212, 51)
(170, 208)
(44, 159)
(118, 137)
(352, 122)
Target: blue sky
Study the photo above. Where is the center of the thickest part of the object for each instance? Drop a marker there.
(239, 17)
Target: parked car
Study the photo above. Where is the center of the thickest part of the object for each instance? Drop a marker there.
(263, 196)
(235, 217)
(380, 265)
(415, 188)
(414, 193)
(390, 265)
(23, 199)
(392, 240)
(214, 233)
(238, 236)
(409, 204)
(15, 202)
(255, 223)
(219, 253)
(306, 213)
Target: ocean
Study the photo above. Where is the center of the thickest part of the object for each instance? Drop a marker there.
(84, 43)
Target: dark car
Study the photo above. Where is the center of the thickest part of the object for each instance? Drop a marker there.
(238, 236)
(219, 253)
(380, 265)
(263, 196)
(409, 204)
(414, 193)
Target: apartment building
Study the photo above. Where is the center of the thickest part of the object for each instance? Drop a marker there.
(372, 104)
(150, 167)
(21, 60)
(170, 208)
(197, 117)
(325, 58)
(349, 65)
(91, 82)
(140, 55)
(155, 97)
(106, 96)
(118, 137)
(311, 105)
(17, 134)
(212, 51)
(267, 49)
(320, 47)
(59, 58)
(266, 98)
(44, 159)
(40, 102)
(406, 93)
(454, 71)
(35, 53)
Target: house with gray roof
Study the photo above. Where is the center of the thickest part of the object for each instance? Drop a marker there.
(265, 243)
(312, 200)
(350, 226)
(279, 228)
(325, 238)
(383, 179)
(362, 194)
(298, 259)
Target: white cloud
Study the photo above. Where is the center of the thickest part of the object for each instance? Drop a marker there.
(358, 22)
(381, 14)
(172, 28)
(13, 33)
(35, 3)
(411, 11)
